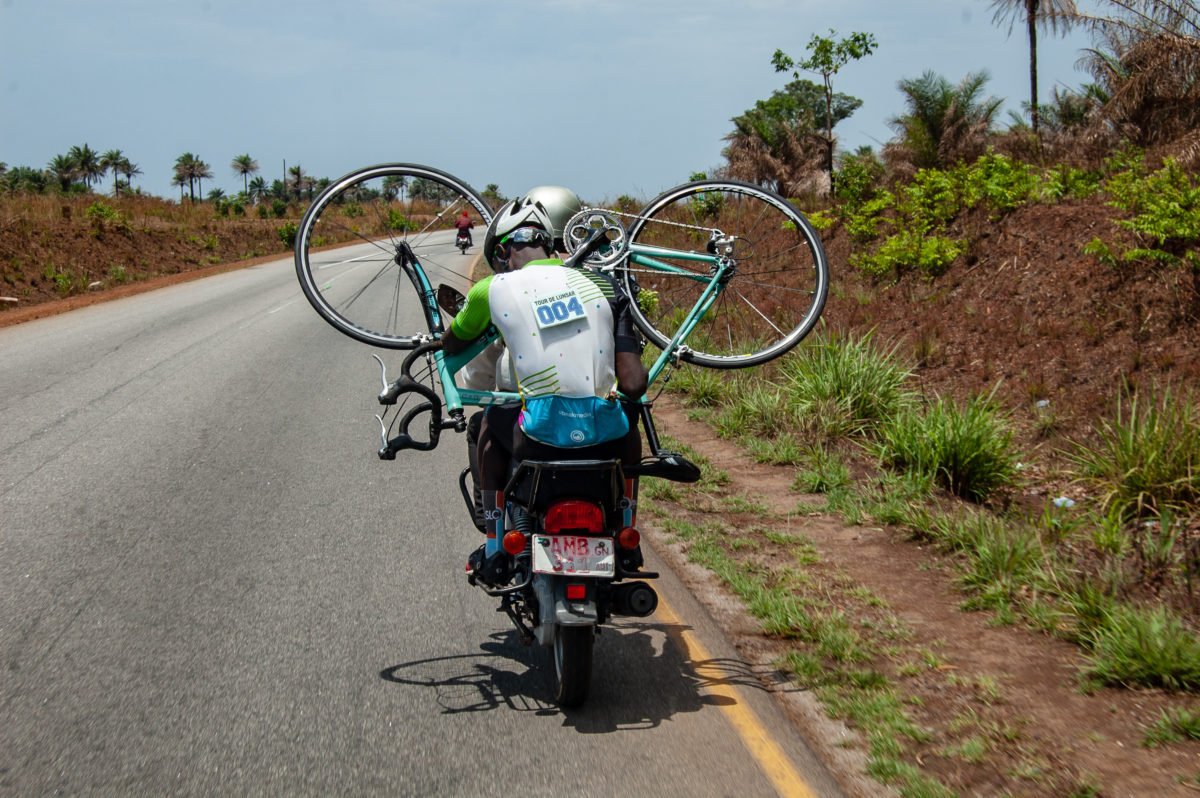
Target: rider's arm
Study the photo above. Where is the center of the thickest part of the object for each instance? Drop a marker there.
(631, 373)
(472, 321)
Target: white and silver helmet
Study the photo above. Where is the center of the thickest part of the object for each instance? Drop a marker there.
(521, 212)
(560, 204)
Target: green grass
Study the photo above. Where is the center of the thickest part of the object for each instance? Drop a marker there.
(823, 472)
(834, 652)
(966, 450)
(1145, 648)
(701, 387)
(781, 450)
(1066, 571)
(844, 385)
(1174, 726)
(1147, 455)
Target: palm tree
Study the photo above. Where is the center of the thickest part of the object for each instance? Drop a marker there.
(185, 172)
(64, 169)
(297, 174)
(216, 194)
(180, 179)
(25, 178)
(112, 161)
(393, 187)
(129, 169)
(944, 123)
(256, 189)
(202, 170)
(1052, 15)
(88, 162)
(1146, 62)
(245, 166)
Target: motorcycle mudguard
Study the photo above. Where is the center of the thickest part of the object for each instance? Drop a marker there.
(556, 610)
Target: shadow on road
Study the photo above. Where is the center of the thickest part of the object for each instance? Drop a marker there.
(641, 676)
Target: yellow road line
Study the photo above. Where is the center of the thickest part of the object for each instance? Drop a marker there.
(775, 764)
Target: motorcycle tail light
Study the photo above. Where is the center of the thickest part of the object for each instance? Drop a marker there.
(629, 538)
(574, 515)
(576, 592)
(514, 542)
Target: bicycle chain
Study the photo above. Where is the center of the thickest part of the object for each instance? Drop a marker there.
(648, 219)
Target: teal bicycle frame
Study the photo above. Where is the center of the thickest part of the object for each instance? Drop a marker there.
(456, 398)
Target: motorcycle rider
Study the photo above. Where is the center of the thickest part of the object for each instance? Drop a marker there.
(572, 343)
(464, 225)
(486, 371)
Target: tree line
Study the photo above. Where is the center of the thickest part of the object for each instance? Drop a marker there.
(81, 169)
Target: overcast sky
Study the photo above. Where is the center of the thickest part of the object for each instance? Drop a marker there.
(606, 96)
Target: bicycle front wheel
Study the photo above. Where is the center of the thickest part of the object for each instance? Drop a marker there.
(375, 244)
(774, 274)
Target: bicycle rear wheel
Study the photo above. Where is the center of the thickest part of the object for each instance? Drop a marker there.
(387, 217)
(776, 287)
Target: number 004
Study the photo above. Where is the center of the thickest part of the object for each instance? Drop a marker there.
(559, 311)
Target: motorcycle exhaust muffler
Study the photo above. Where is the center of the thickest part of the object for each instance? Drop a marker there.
(634, 598)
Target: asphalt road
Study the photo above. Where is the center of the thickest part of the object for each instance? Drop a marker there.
(209, 584)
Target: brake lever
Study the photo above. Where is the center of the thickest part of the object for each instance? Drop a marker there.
(385, 451)
(389, 393)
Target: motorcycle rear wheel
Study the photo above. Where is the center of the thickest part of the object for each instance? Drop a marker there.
(572, 664)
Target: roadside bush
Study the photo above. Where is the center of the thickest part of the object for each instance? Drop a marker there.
(287, 234)
(922, 211)
(968, 451)
(857, 180)
(1165, 214)
(1144, 647)
(844, 385)
(397, 221)
(1166, 211)
(1067, 182)
(1001, 182)
(910, 250)
(102, 217)
(1147, 457)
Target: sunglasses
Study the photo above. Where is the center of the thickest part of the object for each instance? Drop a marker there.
(526, 235)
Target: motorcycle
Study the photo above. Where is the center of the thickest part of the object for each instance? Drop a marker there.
(462, 241)
(570, 556)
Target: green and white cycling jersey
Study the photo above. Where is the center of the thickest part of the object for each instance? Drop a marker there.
(563, 327)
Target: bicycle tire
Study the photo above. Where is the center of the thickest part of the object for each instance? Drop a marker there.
(776, 292)
(377, 298)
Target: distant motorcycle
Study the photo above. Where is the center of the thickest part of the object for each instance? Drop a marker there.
(462, 241)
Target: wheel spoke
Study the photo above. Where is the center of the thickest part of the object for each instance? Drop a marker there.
(370, 297)
(768, 302)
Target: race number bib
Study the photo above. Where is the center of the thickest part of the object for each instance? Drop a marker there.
(560, 308)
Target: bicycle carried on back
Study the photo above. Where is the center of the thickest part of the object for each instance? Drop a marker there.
(723, 274)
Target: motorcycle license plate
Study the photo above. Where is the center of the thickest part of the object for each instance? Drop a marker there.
(573, 554)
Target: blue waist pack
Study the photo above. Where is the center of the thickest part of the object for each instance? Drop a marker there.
(570, 422)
